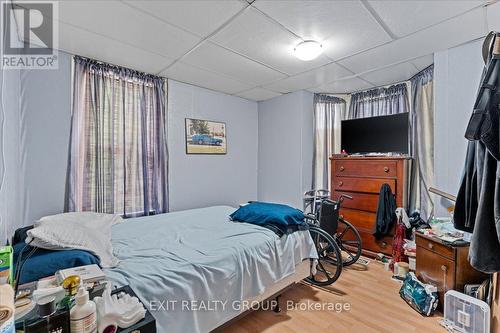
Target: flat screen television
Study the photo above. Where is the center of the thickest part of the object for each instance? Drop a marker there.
(382, 134)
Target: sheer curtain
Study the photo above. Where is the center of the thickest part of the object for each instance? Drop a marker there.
(379, 102)
(422, 133)
(328, 113)
(118, 152)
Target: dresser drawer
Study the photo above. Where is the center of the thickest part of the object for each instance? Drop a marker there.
(369, 242)
(434, 247)
(360, 219)
(365, 168)
(361, 201)
(354, 184)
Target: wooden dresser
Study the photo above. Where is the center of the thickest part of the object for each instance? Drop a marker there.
(362, 178)
(445, 266)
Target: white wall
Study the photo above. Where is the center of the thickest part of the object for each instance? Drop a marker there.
(46, 118)
(457, 72)
(10, 189)
(36, 141)
(204, 180)
(285, 147)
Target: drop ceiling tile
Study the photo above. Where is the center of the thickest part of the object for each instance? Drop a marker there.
(344, 86)
(76, 41)
(258, 94)
(423, 62)
(439, 37)
(312, 78)
(257, 37)
(203, 78)
(405, 17)
(392, 74)
(219, 60)
(199, 17)
(494, 17)
(343, 27)
(116, 20)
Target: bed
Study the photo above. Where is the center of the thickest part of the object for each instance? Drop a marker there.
(184, 265)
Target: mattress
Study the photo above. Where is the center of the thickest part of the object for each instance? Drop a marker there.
(192, 269)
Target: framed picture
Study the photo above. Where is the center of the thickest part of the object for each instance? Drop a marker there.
(205, 137)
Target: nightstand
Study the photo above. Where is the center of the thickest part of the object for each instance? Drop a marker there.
(444, 265)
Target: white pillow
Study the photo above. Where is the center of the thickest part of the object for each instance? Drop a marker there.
(83, 231)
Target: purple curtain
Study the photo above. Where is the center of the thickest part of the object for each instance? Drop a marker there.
(118, 159)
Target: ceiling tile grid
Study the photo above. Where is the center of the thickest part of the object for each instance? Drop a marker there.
(245, 47)
(198, 17)
(208, 56)
(343, 27)
(203, 78)
(343, 86)
(399, 16)
(258, 94)
(391, 74)
(257, 37)
(312, 78)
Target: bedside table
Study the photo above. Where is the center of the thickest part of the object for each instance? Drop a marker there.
(445, 266)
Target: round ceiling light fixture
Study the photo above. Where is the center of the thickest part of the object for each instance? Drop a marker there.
(308, 50)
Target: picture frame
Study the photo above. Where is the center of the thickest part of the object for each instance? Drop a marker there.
(205, 137)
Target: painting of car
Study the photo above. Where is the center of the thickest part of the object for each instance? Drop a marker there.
(205, 137)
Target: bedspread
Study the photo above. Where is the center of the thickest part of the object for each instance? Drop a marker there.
(192, 268)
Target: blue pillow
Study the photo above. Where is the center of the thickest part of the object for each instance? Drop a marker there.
(45, 263)
(265, 213)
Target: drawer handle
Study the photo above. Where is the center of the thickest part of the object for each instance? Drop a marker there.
(386, 169)
(341, 183)
(342, 168)
(383, 244)
(431, 246)
(444, 268)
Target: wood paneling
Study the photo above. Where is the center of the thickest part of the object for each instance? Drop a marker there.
(362, 178)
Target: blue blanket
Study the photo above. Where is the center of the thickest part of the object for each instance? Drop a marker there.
(45, 263)
(281, 219)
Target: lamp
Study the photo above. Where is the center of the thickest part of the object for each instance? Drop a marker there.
(308, 50)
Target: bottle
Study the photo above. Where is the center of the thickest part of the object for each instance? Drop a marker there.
(70, 285)
(83, 317)
(49, 319)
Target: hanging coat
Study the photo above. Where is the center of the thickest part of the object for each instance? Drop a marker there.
(477, 209)
(386, 212)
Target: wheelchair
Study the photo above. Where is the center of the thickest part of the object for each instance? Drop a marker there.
(337, 241)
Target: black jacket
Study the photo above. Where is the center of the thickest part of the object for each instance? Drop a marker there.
(386, 212)
(477, 209)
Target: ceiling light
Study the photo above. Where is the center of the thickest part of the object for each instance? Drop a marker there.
(308, 50)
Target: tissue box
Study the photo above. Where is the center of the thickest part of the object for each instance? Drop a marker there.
(6, 262)
(146, 325)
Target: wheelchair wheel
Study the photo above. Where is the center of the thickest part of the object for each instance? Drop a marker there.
(349, 242)
(327, 268)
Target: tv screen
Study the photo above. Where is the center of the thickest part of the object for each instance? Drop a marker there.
(383, 134)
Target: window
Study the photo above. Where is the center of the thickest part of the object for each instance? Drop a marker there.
(118, 155)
